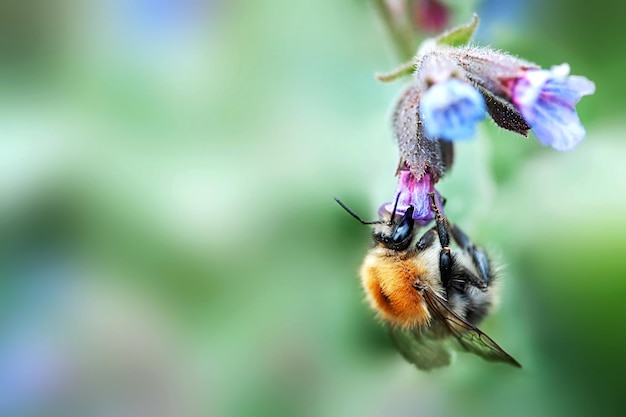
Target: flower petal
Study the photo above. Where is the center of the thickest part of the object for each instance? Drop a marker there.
(546, 99)
(413, 193)
(451, 109)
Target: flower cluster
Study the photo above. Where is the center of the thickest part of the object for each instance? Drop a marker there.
(454, 87)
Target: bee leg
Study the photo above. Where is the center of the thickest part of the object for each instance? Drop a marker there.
(445, 256)
(479, 258)
(427, 239)
(445, 266)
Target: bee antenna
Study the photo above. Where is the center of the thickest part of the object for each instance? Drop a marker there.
(395, 207)
(353, 214)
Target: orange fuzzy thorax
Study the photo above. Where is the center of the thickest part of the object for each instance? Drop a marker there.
(389, 287)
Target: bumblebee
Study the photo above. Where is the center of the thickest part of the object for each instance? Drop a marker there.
(429, 295)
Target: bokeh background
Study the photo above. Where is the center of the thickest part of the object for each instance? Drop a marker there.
(169, 245)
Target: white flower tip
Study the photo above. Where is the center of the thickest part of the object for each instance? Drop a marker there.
(564, 147)
(582, 84)
(560, 72)
(590, 87)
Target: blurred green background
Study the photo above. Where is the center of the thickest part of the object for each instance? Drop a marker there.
(169, 245)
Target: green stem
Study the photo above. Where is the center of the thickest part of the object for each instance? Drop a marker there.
(402, 35)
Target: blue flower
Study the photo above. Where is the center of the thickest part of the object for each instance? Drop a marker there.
(546, 99)
(414, 193)
(451, 109)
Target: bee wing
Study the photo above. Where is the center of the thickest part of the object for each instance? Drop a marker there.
(468, 337)
(419, 349)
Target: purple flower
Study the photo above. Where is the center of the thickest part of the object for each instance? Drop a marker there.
(451, 109)
(546, 99)
(413, 193)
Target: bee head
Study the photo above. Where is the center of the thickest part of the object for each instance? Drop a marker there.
(396, 233)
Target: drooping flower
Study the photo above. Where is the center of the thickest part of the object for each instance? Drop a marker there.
(414, 193)
(451, 109)
(546, 99)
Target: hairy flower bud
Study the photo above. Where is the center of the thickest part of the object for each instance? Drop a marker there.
(420, 154)
(489, 68)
